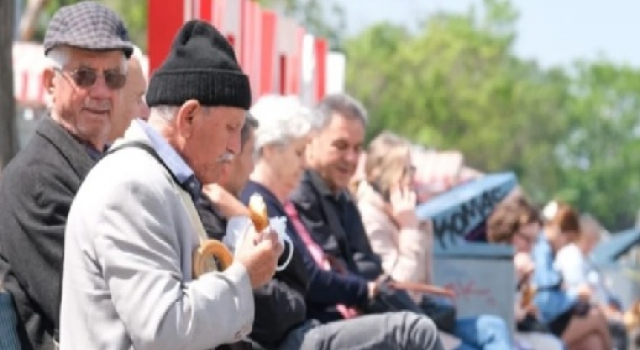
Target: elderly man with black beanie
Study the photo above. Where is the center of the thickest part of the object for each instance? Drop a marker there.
(133, 228)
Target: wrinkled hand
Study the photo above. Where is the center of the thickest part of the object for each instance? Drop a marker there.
(403, 206)
(224, 201)
(259, 253)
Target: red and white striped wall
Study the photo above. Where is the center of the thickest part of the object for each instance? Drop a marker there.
(276, 52)
(28, 65)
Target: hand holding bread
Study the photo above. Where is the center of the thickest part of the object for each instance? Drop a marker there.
(257, 248)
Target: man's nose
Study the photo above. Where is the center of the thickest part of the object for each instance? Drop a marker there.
(100, 90)
(233, 145)
(352, 156)
(144, 111)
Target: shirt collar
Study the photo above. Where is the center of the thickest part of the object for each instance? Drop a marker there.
(174, 162)
(92, 151)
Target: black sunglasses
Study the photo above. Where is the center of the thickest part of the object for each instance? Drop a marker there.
(86, 77)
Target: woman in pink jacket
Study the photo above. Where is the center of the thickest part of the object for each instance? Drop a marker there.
(387, 204)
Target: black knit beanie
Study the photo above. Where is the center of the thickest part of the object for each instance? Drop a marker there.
(201, 66)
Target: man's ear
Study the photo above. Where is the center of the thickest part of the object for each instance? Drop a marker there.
(48, 80)
(186, 117)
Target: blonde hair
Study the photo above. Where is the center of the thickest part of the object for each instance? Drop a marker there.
(386, 161)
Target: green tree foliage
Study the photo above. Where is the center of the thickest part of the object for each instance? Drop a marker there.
(456, 83)
(599, 158)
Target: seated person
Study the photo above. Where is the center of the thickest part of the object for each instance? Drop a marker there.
(580, 275)
(281, 320)
(632, 323)
(515, 222)
(568, 316)
(335, 223)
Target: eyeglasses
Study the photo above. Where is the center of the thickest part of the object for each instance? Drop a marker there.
(86, 77)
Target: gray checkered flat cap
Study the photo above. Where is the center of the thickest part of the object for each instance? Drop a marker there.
(87, 25)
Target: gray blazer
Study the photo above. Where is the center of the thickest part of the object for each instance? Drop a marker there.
(128, 264)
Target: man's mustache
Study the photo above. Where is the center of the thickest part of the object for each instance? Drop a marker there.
(226, 157)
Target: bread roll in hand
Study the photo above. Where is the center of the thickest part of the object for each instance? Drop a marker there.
(258, 212)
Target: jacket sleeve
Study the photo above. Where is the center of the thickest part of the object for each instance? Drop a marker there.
(36, 207)
(405, 259)
(368, 263)
(139, 255)
(328, 287)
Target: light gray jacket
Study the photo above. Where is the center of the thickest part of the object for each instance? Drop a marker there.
(128, 264)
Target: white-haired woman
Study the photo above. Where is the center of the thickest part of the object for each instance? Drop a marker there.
(280, 141)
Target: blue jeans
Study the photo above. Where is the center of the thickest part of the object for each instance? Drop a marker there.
(484, 332)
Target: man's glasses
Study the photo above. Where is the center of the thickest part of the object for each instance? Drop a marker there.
(86, 77)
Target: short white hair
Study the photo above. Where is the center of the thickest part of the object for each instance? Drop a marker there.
(58, 57)
(137, 52)
(163, 113)
(143, 60)
(280, 120)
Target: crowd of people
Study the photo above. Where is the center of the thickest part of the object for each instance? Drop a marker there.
(102, 211)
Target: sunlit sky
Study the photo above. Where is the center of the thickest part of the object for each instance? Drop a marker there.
(551, 31)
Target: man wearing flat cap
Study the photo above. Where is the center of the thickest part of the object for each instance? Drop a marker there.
(87, 49)
(133, 227)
